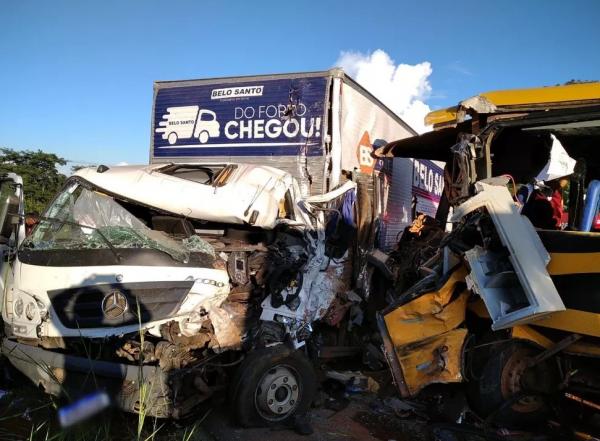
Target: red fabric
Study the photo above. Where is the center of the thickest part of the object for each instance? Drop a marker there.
(543, 212)
(557, 207)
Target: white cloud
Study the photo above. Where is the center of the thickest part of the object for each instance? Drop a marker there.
(404, 88)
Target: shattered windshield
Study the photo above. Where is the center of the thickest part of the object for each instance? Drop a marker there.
(80, 218)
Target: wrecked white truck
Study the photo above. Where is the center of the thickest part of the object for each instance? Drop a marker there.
(507, 301)
(218, 268)
(148, 281)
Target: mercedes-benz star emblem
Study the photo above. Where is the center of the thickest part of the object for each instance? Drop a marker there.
(114, 305)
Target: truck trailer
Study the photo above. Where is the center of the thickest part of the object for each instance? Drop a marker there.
(317, 126)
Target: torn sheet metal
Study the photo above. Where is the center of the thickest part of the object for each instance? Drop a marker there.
(322, 277)
(251, 194)
(319, 287)
(434, 360)
(226, 331)
(420, 340)
(430, 314)
(518, 289)
(334, 194)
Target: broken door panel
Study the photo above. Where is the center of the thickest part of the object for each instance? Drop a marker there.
(420, 340)
(435, 360)
(517, 289)
(430, 314)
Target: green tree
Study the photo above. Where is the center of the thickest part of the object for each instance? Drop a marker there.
(41, 179)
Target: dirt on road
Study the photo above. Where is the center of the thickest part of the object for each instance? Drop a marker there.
(361, 420)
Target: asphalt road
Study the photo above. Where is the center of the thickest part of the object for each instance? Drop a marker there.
(359, 421)
(26, 413)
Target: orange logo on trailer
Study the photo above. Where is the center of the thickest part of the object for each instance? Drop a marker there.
(363, 151)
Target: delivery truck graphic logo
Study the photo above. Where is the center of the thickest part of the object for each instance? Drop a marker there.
(187, 122)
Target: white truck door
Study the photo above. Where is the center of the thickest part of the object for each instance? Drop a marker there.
(12, 229)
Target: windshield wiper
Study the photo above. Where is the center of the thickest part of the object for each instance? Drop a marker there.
(97, 230)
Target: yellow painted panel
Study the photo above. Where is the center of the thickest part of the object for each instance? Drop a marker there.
(584, 348)
(545, 95)
(528, 333)
(574, 263)
(580, 322)
(416, 322)
(571, 320)
(584, 94)
(430, 314)
(441, 116)
(436, 360)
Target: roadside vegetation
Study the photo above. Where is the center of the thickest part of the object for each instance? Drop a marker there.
(26, 413)
(39, 170)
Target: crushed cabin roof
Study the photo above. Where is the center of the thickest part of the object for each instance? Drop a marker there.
(537, 98)
(448, 122)
(233, 197)
(434, 145)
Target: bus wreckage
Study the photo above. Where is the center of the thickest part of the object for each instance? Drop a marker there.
(501, 289)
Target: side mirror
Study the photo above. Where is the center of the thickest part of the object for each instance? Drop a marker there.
(9, 215)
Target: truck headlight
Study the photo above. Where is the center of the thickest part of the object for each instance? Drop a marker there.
(30, 311)
(28, 306)
(18, 308)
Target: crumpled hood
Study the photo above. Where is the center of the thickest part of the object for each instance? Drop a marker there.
(249, 189)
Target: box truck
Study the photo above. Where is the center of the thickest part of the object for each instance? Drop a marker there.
(319, 127)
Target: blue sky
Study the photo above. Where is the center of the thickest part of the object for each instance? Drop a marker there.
(76, 76)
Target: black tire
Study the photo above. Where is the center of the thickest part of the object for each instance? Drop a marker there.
(502, 383)
(272, 366)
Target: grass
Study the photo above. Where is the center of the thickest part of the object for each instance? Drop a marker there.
(25, 421)
(41, 423)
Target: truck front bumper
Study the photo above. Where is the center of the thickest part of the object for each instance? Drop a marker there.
(131, 388)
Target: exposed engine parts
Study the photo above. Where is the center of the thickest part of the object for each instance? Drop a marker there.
(138, 352)
(255, 270)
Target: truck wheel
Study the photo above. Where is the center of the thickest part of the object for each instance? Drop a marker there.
(203, 137)
(271, 386)
(507, 374)
(172, 138)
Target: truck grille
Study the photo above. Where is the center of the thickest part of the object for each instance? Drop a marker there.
(118, 304)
